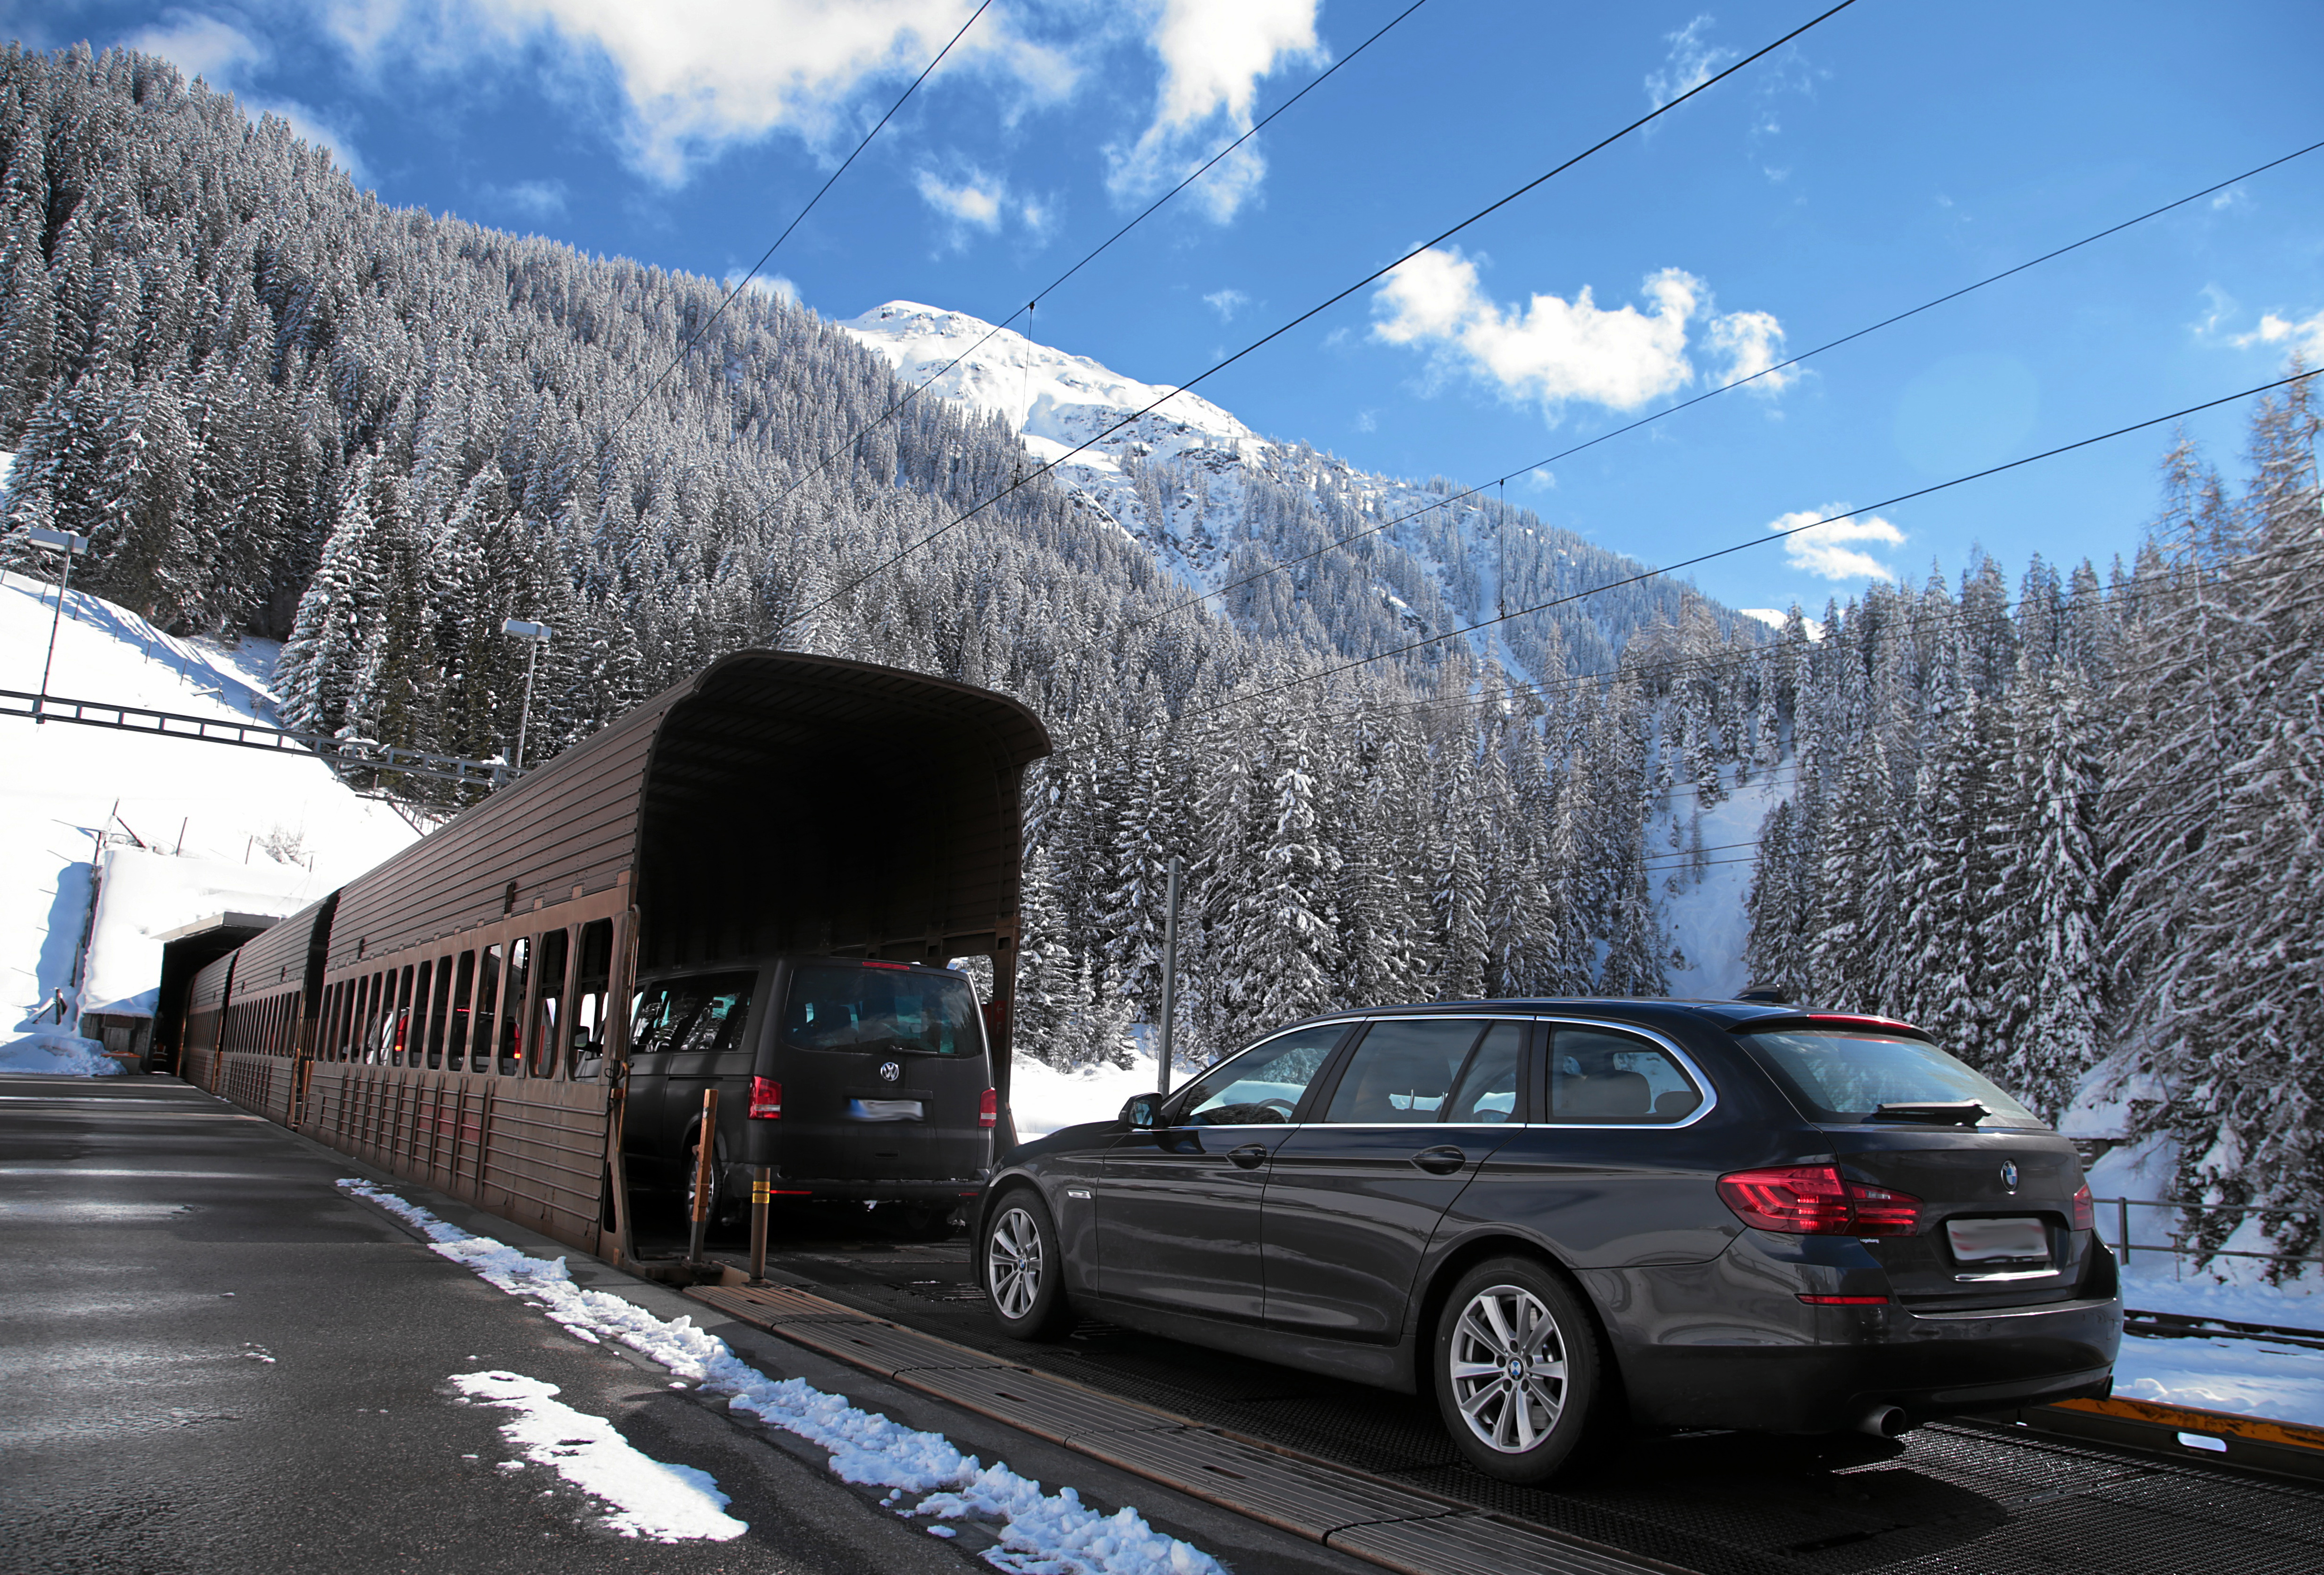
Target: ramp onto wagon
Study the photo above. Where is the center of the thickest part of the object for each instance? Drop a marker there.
(456, 1019)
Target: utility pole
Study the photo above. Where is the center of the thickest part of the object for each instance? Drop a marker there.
(71, 547)
(1169, 975)
(535, 636)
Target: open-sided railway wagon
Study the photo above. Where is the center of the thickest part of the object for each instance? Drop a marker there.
(458, 1014)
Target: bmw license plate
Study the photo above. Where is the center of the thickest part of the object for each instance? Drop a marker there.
(1998, 1241)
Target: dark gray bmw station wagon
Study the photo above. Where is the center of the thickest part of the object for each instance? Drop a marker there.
(1559, 1217)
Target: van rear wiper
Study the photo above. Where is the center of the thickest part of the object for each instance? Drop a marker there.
(1934, 1112)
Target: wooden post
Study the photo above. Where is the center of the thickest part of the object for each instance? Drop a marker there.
(763, 1181)
(705, 1170)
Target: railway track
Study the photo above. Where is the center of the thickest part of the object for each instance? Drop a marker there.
(2118, 1489)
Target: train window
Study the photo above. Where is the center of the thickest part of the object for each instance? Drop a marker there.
(520, 972)
(463, 990)
(591, 979)
(342, 1018)
(487, 1013)
(401, 1002)
(548, 1018)
(436, 1012)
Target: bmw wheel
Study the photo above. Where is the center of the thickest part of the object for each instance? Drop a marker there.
(1023, 1269)
(1518, 1369)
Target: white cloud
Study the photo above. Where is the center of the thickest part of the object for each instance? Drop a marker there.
(1367, 420)
(2218, 306)
(699, 76)
(1751, 342)
(538, 200)
(1560, 351)
(773, 286)
(1213, 54)
(1692, 63)
(1227, 303)
(976, 201)
(1823, 549)
(2235, 197)
(2306, 339)
(226, 57)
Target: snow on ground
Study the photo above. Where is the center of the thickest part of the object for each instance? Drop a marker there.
(1043, 1099)
(58, 1054)
(142, 896)
(1041, 1533)
(1705, 911)
(652, 1500)
(60, 784)
(2281, 1383)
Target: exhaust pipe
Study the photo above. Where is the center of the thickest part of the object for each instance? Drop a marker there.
(1884, 1421)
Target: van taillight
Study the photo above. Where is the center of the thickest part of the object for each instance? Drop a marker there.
(2086, 1209)
(1816, 1200)
(988, 1109)
(766, 1099)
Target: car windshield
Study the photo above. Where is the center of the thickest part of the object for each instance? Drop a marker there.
(869, 1008)
(1847, 1077)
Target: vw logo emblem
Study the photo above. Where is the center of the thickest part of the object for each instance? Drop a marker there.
(2009, 1174)
(891, 1071)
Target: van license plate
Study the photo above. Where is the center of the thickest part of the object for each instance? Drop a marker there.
(884, 1111)
(1998, 1241)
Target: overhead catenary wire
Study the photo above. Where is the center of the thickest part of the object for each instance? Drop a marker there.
(1764, 540)
(915, 389)
(796, 219)
(1326, 304)
(1563, 454)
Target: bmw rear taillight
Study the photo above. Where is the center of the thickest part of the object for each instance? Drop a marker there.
(988, 1109)
(766, 1099)
(1816, 1200)
(2086, 1209)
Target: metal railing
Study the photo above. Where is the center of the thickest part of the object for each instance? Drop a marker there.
(2123, 1246)
(339, 753)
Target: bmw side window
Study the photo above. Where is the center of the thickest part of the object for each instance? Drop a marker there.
(1403, 1071)
(1261, 1087)
(1488, 1089)
(1596, 1075)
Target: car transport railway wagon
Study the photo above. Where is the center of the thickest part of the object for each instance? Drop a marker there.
(770, 865)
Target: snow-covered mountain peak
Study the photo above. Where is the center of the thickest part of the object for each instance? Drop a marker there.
(1054, 399)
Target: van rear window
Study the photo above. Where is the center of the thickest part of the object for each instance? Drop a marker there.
(886, 1010)
(1847, 1077)
(702, 1014)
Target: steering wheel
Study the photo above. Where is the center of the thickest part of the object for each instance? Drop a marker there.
(1283, 1106)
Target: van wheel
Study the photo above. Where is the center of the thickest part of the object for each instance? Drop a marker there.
(1022, 1267)
(1518, 1369)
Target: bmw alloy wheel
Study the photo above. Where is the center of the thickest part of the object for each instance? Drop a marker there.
(1013, 1265)
(1508, 1369)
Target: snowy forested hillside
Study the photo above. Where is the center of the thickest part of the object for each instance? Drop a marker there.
(2083, 838)
(276, 404)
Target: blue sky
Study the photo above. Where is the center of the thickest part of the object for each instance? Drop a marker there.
(1896, 151)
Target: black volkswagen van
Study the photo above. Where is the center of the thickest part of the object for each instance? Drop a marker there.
(853, 1080)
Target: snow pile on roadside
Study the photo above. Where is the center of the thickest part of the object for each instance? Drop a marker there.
(652, 1500)
(59, 1055)
(1043, 1099)
(1041, 1533)
(2280, 1383)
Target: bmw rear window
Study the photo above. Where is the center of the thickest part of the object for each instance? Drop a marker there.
(1850, 1076)
(891, 1010)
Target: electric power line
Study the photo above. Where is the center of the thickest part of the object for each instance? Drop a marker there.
(1090, 256)
(1325, 305)
(1502, 480)
(1771, 536)
(744, 284)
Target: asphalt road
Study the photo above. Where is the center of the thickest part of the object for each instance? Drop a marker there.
(213, 1359)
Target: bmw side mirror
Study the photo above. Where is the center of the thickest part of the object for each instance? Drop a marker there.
(1142, 1111)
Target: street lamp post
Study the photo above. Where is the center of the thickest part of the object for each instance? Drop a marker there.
(71, 547)
(535, 636)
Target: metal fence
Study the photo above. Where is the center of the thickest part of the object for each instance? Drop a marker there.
(2178, 1247)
